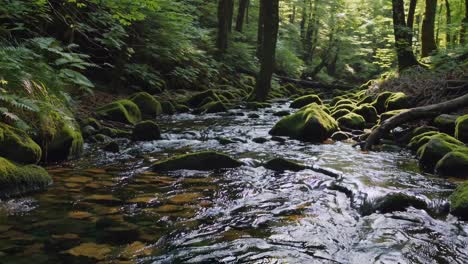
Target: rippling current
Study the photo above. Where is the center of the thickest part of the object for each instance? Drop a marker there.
(108, 208)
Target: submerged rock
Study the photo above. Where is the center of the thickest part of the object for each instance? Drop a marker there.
(149, 106)
(213, 107)
(398, 202)
(352, 121)
(17, 146)
(124, 111)
(279, 164)
(168, 108)
(16, 179)
(305, 100)
(446, 123)
(308, 124)
(340, 136)
(112, 147)
(459, 201)
(146, 131)
(204, 161)
(461, 128)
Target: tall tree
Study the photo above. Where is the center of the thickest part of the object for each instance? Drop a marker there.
(225, 10)
(270, 21)
(410, 20)
(261, 14)
(448, 36)
(464, 27)
(404, 50)
(428, 43)
(241, 14)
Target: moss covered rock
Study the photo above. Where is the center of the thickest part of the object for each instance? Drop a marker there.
(148, 105)
(454, 164)
(146, 131)
(380, 102)
(459, 201)
(368, 112)
(343, 102)
(308, 124)
(340, 136)
(397, 101)
(446, 123)
(398, 202)
(352, 121)
(390, 114)
(349, 107)
(124, 111)
(200, 99)
(16, 180)
(16, 145)
(168, 108)
(434, 150)
(280, 165)
(214, 107)
(461, 128)
(203, 161)
(92, 122)
(339, 113)
(305, 100)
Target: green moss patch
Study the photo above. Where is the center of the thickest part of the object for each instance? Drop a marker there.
(148, 105)
(124, 111)
(305, 100)
(459, 201)
(461, 128)
(16, 145)
(352, 121)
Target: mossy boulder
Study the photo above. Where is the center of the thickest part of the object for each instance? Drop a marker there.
(397, 101)
(339, 113)
(305, 100)
(446, 123)
(148, 105)
(352, 121)
(146, 131)
(454, 164)
(459, 201)
(214, 107)
(17, 146)
(92, 122)
(168, 108)
(343, 102)
(349, 107)
(340, 136)
(280, 165)
(203, 161)
(124, 111)
(389, 114)
(200, 99)
(368, 112)
(182, 108)
(366, 100)
(434, 150)
(380, 102)
(308, 124)
(419, 140)
(461, 128)
(16, 179)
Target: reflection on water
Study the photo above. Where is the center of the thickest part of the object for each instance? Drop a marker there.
(107, 208)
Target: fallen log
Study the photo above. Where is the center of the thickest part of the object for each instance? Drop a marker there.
(429, 111)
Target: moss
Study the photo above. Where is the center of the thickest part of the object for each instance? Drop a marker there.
(368, 112)
(419, 140)
(279, 164)
(92, 122)
(435, 149)
(459, 201)
(16, 180)
(349, 107)
(100, 138)
(305, 100)
(182, 108)
(198, 99)
(352, 121)
(454, 164)
(390, 114)
(366, 100)
(289, 88)
(149, 106)
(340, 136)
(343, 102)
(446, 123)
(339, 113)
(397, 101)
(146, 131)
(214, 107)
(380, 102)
(308, 124)
(124, 111)
(168, 108)
(16, 145)
(203, 161)
(461, 128)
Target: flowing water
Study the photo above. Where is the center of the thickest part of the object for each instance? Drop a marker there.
(109, 208)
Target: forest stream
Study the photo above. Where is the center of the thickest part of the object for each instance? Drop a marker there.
(108, 208)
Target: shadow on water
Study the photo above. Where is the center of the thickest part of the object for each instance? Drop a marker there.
(107, 208)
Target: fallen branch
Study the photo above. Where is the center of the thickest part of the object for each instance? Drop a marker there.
(429, 111)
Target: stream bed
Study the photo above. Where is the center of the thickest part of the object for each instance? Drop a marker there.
(108, 208)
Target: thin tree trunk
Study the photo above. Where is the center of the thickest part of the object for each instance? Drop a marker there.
(428, 111)
(241, 14)
(410, 20)
(439, 21)
(303, 19)
(224, 24)
(464, 27)
(448, 31)
(247, 13)
(427, 36)
(268, 49)
(230, 13)
(261, 13)
(292, 19)
(404, 50)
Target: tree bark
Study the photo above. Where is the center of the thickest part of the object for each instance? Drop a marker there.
(241, 14)
(268, 48)
(260, 29)
(448, 36)
(464, 27)
(303, 19)
(292, 18)
(410, 20)
(224, 24)
(404, 49)
(428, 44)
(310, 41)
(428, 111)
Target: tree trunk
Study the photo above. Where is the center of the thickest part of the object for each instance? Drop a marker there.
(428, 111)
(464, 27)
(292, 18)
(439, 21)
(428, 44)
(404, 50)
(448, 36)
(410, 20)
(261, 13)
(268, 48)
(241, 14)
(247, 12)
(303, 19)
(224, 24)
(310, 40)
